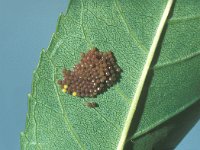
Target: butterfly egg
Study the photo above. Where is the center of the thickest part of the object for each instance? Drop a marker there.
(65, 86)
(91, 104)
(96, 72)
(74, 94)
(64, 90)
(59, 82)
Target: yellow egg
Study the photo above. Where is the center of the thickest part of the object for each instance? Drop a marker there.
(65, 86)
(74, 93)
(64, 90)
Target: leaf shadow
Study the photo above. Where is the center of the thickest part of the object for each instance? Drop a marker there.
(181, 125)
(178, 126)
(141, 104)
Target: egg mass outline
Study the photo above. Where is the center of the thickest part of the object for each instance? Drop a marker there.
(96, 72)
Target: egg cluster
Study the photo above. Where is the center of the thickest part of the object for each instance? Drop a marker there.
(96, 72)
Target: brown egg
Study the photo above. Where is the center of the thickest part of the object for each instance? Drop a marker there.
(95, 72)
(91, 104)
(59, 82)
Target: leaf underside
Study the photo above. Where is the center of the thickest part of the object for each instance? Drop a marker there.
(168, 105)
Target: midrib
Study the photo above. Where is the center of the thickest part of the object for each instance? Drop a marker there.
(144, 75)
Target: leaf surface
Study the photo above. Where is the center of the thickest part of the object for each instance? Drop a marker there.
(168, 94)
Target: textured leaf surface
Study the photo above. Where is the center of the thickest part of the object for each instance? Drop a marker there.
(170, 94)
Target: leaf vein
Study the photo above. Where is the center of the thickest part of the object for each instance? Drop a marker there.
(120, 93)
(183, 19)
(131, 32)
(167, 64)
(67, 122)
(48, 107)
(181, 109)
(104, 118)
(82, 27)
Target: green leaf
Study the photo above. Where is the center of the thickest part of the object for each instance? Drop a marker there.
(156, 102)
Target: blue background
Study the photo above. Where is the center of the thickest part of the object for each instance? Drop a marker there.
(25, 28)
